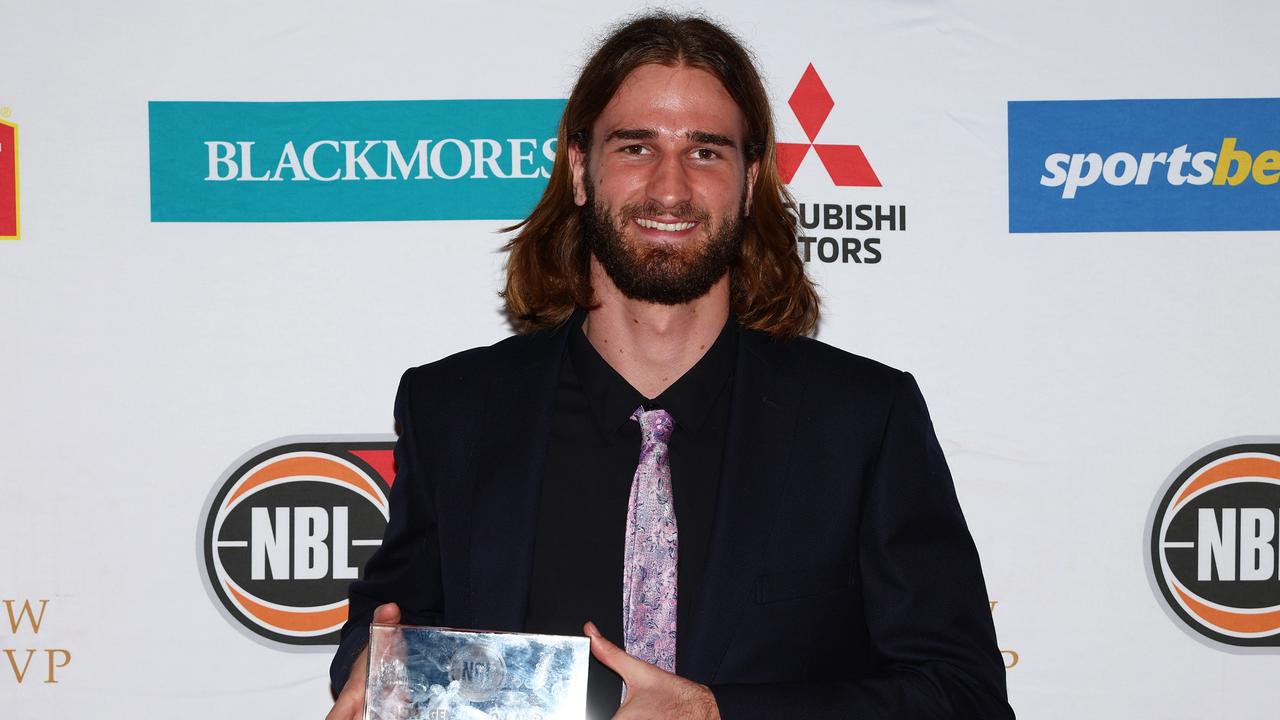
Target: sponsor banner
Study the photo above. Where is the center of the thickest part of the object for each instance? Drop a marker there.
(339, 161)
(1213, 544)
(1144, 165)
(288, 528)
(8, 181)
(832, 229)
(25, 617)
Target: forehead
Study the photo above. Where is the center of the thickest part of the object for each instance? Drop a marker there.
(672, 100)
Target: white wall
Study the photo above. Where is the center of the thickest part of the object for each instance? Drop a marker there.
(1068, 374)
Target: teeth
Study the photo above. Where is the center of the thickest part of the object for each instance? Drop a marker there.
(668, 227)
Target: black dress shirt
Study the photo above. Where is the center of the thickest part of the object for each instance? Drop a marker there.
(582, 512)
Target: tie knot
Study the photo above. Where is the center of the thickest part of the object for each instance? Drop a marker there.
(655, 425)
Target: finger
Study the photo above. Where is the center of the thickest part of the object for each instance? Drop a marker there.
(388, 614)
(351, 710)
(614, 657)
(349, 705)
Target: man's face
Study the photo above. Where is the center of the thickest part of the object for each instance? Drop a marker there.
(665, 185)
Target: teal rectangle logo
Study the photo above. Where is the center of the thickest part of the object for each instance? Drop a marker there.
(347, 161)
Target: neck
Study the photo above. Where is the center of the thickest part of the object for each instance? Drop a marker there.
(648, 344)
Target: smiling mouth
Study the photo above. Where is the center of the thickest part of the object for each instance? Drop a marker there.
(665, 226)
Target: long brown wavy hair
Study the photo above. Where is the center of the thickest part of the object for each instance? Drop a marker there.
(548, 266)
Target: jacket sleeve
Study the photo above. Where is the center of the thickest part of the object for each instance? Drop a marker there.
(925, 602)
(406, 568)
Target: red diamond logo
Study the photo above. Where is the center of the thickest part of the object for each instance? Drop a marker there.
(811, 103)
(846, 164)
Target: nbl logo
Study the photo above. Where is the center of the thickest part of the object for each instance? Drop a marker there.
(289, 527)
(1213, 544)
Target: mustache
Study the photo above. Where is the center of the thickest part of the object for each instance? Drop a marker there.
(685, 211)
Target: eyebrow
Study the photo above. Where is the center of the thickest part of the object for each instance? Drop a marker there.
(710, 138)
(698, 136)
(631, 134)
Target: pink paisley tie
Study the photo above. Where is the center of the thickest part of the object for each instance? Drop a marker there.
(649, 557)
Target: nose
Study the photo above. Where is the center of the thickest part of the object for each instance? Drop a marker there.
(669, 183)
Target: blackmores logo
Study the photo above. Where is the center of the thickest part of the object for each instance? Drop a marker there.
(847, 166)
(287, 529)
(8, 179)
(340, 161)
(1213, 544)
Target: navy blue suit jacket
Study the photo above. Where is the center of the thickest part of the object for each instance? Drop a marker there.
(841, 581)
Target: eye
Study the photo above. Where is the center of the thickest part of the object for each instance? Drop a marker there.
(705, 154)
(633, 149)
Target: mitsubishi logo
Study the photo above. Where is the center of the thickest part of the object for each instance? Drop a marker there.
(846, 164)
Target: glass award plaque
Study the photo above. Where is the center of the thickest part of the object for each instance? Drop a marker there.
(426, 673)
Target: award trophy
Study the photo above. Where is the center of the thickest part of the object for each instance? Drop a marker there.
(426, 673)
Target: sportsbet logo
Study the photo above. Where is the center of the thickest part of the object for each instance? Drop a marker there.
(1214, 557)
(1139, 165)
(288, 528)
(1229, 166)
(338, 161)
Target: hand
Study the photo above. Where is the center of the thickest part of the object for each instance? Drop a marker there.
(350, 702)
(652, 693)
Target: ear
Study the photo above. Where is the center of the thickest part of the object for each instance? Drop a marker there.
(578, 169)
(753, 170)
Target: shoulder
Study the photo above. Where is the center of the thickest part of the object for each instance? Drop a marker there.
(839, 389)
(815, 362)
(816, 355)
(465, 372)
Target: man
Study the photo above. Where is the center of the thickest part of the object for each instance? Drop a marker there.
(787, 545)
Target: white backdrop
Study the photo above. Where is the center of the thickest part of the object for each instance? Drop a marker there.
(1068, 374)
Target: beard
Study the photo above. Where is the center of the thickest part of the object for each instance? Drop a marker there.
(660, 273)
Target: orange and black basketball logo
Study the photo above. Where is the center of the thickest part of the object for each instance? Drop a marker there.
(1214, 556)
(288, 528)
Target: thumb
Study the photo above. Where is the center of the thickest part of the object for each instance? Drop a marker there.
(614, 657)
(388, 614)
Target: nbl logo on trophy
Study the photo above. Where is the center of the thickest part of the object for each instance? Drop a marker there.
(1213, 552)
(287, 529)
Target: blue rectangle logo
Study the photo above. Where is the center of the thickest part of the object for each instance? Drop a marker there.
(345, 161)
(1144, 165)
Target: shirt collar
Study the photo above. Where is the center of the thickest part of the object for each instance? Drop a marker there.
(688, 399)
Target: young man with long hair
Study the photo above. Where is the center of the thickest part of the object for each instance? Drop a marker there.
(788, 543)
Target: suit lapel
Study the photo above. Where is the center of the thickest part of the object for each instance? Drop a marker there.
(507, 479)
(762, 420)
